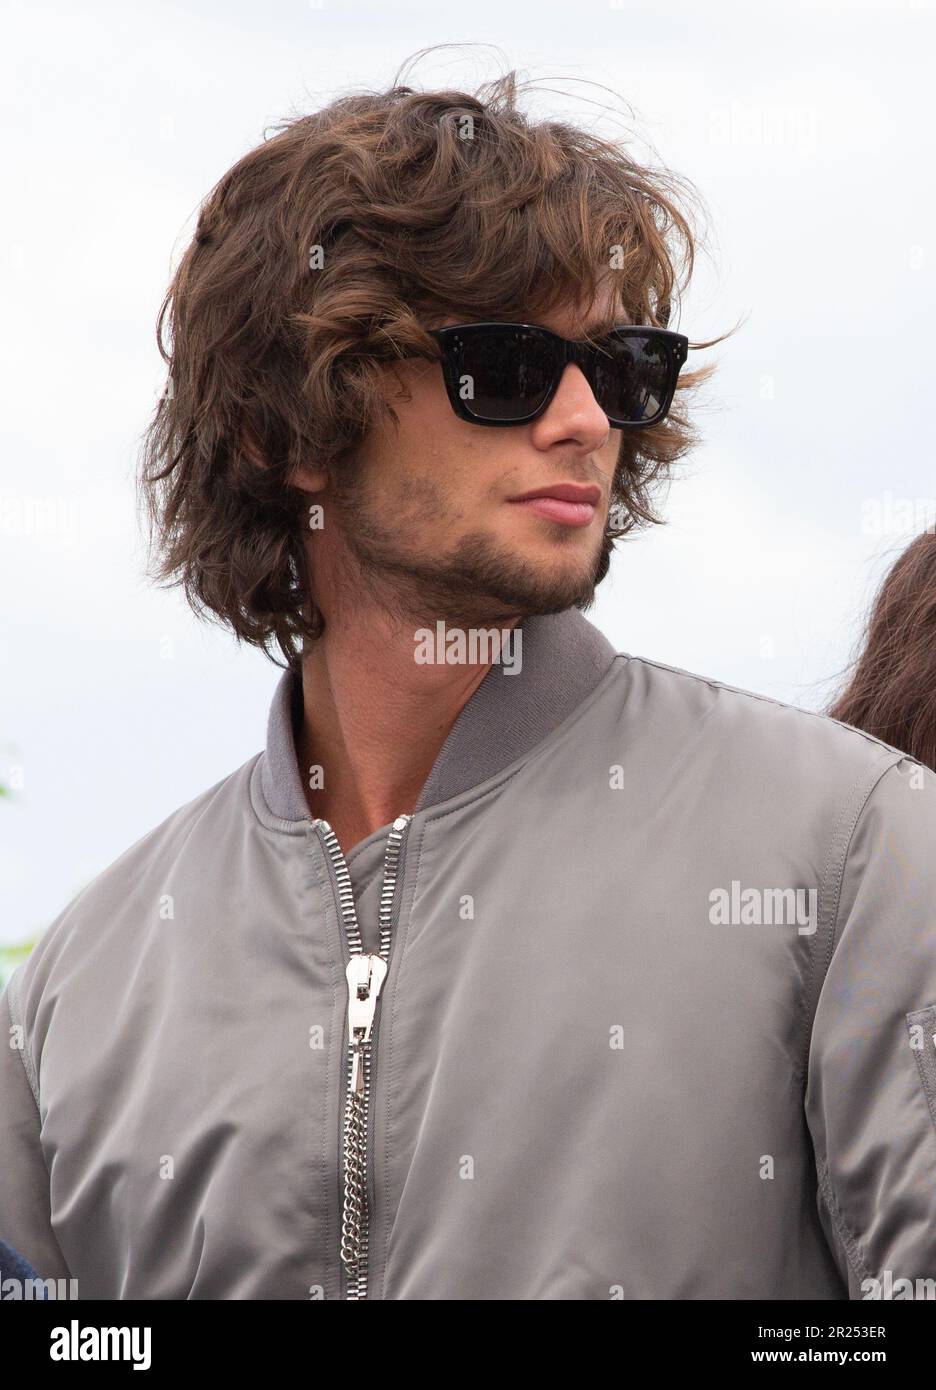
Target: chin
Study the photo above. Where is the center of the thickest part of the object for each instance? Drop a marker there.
(488, 577)
(538, 586)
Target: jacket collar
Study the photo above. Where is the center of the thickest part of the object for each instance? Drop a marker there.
(563, 658)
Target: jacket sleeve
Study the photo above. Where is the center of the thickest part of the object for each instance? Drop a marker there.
(25, 1220)
(871, 1083)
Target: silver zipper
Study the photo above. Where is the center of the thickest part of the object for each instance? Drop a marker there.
(365, 974)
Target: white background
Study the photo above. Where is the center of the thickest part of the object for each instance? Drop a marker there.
(807, 128)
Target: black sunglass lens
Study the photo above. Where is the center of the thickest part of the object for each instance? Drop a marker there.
(504, 373)
(632, 375)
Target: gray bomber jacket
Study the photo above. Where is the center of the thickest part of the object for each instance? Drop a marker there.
(659, 1019)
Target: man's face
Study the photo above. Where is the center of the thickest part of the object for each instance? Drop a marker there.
(431, 509)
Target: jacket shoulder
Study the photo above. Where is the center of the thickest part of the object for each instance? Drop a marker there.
(759, 724)
(139, 873)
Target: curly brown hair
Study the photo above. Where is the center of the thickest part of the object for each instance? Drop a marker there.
(324, 254)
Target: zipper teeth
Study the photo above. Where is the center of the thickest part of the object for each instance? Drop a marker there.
(343, 880)
(388, 886)
(355, 1225)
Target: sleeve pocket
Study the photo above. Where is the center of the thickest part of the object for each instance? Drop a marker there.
(922, 1028)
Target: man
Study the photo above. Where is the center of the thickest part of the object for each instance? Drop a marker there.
(512, 968)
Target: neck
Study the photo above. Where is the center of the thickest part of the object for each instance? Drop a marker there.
(374, 718)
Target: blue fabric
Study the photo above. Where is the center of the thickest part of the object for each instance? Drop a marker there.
(13, 1266)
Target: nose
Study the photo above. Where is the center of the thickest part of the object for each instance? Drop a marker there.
(572, 414)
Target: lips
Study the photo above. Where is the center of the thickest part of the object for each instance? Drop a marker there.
(571, 504)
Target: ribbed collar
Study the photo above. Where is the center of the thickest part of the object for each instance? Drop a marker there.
(563, 658)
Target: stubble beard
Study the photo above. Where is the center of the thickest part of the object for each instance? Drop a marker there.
(476, 584)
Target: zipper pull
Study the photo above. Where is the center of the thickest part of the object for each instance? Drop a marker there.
(365, 975)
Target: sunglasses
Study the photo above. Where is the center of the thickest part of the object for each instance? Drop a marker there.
(507, 373)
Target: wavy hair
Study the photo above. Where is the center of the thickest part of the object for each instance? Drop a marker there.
(891, 692)
(324, 254)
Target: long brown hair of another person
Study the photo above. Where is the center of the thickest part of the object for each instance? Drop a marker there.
(892, 690)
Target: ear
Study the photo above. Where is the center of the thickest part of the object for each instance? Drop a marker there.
(306, 477)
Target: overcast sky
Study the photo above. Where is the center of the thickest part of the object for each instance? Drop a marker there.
(807, 129)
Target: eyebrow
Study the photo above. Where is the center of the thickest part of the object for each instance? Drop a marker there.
(604, 325)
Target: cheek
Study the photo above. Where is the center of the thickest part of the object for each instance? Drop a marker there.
(609, 456)
(416, 392)
(396, 444)
(426, 437)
